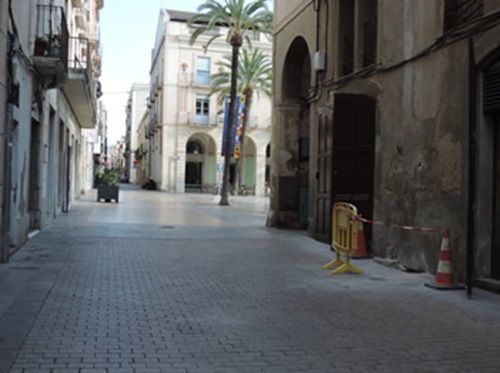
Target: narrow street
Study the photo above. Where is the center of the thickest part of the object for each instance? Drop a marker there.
(174, 283)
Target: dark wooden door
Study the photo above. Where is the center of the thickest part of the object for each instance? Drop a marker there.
(193, 175)
(324, 175)
(354, 154)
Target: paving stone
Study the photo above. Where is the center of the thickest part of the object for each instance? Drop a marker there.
(115, 292)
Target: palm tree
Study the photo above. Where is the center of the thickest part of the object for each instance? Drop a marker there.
(239, 18)
(254, 76)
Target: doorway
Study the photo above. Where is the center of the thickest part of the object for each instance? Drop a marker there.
(495, 244)
(34, 187)
(346, 160)
(193, 176)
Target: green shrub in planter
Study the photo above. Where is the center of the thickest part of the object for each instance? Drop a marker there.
(107, 185)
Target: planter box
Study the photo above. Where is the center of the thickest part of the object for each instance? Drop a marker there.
(107, 193)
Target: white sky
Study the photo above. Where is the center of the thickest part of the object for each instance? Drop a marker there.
(128, 29)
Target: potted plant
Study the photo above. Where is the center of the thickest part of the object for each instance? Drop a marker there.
(41, 44)
(55, 44)
(107, 185)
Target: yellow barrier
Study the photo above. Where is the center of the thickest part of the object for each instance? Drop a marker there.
(344, 237)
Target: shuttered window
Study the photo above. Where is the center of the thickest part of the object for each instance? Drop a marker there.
(491, 97)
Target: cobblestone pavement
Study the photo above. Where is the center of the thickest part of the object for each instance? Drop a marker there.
(167, 283)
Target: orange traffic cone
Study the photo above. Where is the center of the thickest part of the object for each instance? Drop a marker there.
(444, 276)
(361, 249)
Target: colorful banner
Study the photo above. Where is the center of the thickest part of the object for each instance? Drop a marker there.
(238, 132)
(237, 126)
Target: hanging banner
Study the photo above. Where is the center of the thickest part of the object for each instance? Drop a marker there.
(238, 132)
(238, 123)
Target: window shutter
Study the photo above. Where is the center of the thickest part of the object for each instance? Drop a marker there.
(492, 90)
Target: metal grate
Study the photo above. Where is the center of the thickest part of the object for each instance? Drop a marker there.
(457, 12)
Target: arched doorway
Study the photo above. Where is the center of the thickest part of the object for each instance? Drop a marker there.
(290, 179)
(200, 176)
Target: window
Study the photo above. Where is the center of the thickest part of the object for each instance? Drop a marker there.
(357, 35)
(457, 12)
(369, 32)
(347, 36)
(202, 109)
(203, 71)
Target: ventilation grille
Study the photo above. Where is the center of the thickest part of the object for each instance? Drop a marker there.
(492, 90)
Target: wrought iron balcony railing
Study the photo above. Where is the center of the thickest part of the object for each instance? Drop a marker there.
(458, 12)
(50, 49)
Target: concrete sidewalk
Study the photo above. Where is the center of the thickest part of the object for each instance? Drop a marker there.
(174, 283)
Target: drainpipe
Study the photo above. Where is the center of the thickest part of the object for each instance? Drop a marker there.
(471, 207)
(319, 57)
(4, 257)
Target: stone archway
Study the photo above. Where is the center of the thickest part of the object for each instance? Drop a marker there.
(290, 157)
(200, 166)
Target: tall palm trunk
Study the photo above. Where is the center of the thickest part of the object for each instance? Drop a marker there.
(246, 111)
(224, 201)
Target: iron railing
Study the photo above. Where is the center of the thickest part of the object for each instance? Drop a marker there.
(51, 38)
(458, 12)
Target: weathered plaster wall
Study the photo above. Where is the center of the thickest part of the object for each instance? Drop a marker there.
(421, 175)
(288, 114)
(3, 91)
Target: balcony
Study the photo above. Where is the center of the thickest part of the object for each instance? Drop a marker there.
(50, 51)
(198, 120)
(459, 12)
(80, 88)
(153, 123)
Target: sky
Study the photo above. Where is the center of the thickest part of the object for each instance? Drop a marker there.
(128, 30)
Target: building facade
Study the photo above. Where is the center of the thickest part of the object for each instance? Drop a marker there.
(52, 70)
(185, 128)
(136, 106)
(396, 103)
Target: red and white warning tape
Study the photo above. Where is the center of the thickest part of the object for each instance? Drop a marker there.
(390, 225)
(405, 227)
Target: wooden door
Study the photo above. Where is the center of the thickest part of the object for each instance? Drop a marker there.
(324, 175)
(354, 154)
